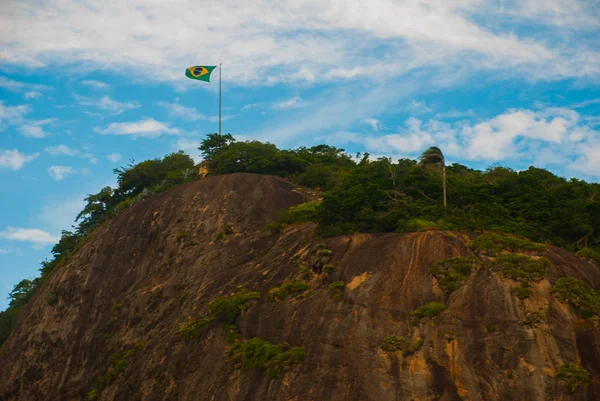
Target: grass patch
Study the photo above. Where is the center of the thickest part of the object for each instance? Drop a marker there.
(117, 363)
(520, 267)
(306, 273)
(182, 235)
(452, 272)
(263, 355)
(290, 288)
(394, 343)
(590, 254)
(579, 294)
(336, 290)
(497, 242)
(572, 377)
(428, 311)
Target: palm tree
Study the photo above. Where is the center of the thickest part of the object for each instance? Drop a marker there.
(434, 156)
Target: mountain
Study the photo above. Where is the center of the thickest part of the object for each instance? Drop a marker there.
(188, 296)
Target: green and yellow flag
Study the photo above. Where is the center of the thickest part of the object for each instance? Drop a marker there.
(201, 72)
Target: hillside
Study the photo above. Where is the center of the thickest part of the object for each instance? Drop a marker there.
(123, 318)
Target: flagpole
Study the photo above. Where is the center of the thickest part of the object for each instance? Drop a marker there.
(220, 96)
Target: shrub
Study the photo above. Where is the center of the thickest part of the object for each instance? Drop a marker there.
(393, 343)
(307, 211)
(263, 355)
(192, 327)
(292, 288)
(578, 294)
(428, 311)
(227, 231)
(228, 309)
(306, 274)
(533, 318)
(52, 298)
(116, 307)
(328, 268)
(572, 376)
(452, 272)
(499, 242)
(590, 254)
(520, 267)
(321, 246)
(336, 290)
(325, 252)
(182, 235)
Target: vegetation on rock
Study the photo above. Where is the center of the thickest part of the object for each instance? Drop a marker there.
(573, 377)
(499, 242)
(520, 267)
(117, 363)
(336, 290)
(428, 311)
(291, 288)
(452, 272)
(394, 343)
(263, 355)
(578, 294)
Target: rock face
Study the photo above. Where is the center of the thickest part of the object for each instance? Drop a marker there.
(139, 276)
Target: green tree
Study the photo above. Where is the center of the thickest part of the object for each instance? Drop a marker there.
(434, 156)
(213, 144)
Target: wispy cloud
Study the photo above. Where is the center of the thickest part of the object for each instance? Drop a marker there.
(15, 160)
(35, 128)
(177, 110)
(113, 157)
(32, 235)
(147, 127)
(95, 84)
(64, 150)
(106, 104)
(189, 146)
(31, 91)
(374, 123)
(453, 113)
(61, 172)
(293, 102)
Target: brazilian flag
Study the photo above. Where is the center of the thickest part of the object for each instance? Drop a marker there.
(200, 72)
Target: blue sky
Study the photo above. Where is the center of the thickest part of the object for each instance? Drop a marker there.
(86, 86)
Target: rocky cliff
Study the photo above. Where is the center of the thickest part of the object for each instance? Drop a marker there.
(116, 326)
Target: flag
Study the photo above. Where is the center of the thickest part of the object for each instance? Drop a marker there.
(200, 72)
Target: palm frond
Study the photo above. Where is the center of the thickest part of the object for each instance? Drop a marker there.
(432, 155)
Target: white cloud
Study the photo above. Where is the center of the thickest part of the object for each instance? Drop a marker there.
(113, 157)
(12, 114)
(15, 160)
(374, 123)
(3, 251)
(585, 103)
(589, 161)
(147, 127)
(106, 104)
(308, 41)
(293, 102)
(95, 84)
(32, 95)
(417, 107)
(61, 172)
(16, 86)
(183, 112)
(453, 113)
(34, 128)
(250, 106)
(61, 150)
(33, 235)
